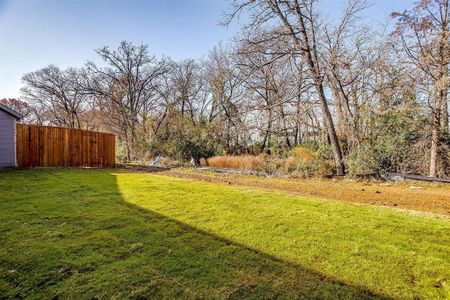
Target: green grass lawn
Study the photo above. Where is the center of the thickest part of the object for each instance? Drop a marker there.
(108, 233)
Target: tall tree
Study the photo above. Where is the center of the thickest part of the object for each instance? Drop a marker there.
(300, 22)
(125, 86)
(58, 93)
(424, 32)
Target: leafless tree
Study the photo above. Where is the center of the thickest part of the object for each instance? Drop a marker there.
(58, 94)
(301, 23)
(226, 95)
(125, 86)
(424, 33)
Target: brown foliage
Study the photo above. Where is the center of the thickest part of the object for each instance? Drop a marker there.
(242, 162)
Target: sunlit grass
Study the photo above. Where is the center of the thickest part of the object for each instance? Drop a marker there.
(72, 233)
(340, 240)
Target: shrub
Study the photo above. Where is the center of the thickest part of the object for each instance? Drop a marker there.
(291, 164)
(396, 143)
(301, 161)
(170, 162)
(324, 152)
(273, 165)
(120, 152)
(326, 168)
(303, 154)
(362, 160)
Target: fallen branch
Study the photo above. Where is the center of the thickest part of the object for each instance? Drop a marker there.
(235, 171)
(419, 177)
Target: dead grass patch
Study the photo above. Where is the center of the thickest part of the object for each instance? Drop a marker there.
(241, 162)
(428, 197)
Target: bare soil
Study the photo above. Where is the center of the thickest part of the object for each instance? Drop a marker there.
(411, 195)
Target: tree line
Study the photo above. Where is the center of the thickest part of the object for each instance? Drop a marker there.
(370, 99)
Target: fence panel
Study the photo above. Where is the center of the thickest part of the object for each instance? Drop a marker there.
(45, 146)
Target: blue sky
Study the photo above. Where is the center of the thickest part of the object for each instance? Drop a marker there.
(34, 34)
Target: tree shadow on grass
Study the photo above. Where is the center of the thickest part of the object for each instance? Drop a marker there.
(108, 247)
(240, 271)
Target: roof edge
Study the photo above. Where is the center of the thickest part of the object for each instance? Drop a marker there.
(10, 111)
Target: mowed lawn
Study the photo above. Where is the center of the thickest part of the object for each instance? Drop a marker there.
(111, 233)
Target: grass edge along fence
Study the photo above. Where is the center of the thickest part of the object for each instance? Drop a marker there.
(47, 146)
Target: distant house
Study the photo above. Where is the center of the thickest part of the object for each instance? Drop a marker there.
(8, 119)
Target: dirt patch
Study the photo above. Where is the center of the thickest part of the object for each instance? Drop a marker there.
(412, 195)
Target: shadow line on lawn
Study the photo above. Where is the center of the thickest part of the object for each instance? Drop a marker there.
(130, 251)
(265, 276)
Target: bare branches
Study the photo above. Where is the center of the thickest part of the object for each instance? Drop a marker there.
(287, 78)
(59, 93)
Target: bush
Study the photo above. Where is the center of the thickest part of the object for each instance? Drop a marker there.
(362, 161)
(301, 161)
(395, 144)
(303, 154)
(326, 168)
(120, 152)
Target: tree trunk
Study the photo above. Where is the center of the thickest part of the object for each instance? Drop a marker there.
(343, 127)
(445, 117)
(337, 153)
(318, 82)
(285, 128)
(435, 133)
(268, 134)
(309, 51)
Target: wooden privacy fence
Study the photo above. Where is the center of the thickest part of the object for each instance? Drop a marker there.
(45, 146)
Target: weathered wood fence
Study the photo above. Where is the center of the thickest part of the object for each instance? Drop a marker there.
(45, 146)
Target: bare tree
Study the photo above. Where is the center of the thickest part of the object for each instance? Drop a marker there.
(346, 64)
(58, 93)
(125, 86)
(187, 84)
(271, 88)
(425, 35)
(301, 23)
(225, 87)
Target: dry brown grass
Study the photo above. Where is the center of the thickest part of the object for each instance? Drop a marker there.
(303, 154)
(299, 157)
(241, 162)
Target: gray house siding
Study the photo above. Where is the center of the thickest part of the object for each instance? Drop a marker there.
(7, 139)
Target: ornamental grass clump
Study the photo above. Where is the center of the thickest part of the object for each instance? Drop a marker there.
(240, 162)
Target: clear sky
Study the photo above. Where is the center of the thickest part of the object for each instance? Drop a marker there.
(34, 34)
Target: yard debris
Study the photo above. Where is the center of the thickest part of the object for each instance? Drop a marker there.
(397, 178)
(235, 171)
(418, 177)
(156, 162)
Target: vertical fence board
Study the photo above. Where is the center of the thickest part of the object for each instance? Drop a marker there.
(44, 146)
